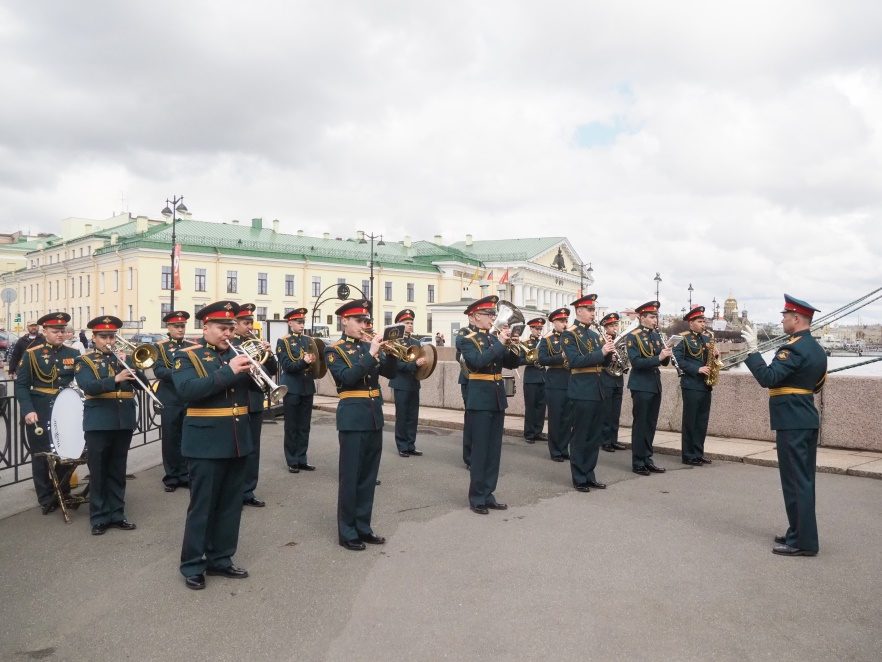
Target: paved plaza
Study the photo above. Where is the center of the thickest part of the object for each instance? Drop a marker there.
(666, 567)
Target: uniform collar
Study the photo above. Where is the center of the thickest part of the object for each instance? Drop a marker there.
(349, 339)
(295, 335)
(801, 333)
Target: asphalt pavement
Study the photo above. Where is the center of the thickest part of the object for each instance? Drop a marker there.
(666, 567)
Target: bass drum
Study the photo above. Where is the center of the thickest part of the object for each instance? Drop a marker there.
(66, 424)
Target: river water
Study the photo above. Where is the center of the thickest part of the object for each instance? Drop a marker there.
(871, 370)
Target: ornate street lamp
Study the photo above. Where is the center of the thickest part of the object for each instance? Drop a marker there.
(172, 208)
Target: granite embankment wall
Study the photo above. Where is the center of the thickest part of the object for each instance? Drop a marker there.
(849, 405)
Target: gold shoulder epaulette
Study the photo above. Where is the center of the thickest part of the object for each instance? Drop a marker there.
(338, 343)
(36, 347)
(191, 347)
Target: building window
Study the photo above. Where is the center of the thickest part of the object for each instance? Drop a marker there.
(289, 285)
(101, 283)
(131, 312)
(260, 313)
(88, 284)
(81, 286)
(431, 294)
(410, 288)
(232, 282)
(200, 279)
(166, 278)
(116, 280)
(261, 283)
(366, 288)
(164, 309)
(197, 322)
(388, 290)
(387, 318)
(131, 278)
(316, 285)
(428, 322)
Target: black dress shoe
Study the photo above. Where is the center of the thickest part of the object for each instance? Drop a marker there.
(560, 458)
(497, 506)
(49, 508)
(781, 540)
(294, 468)
(566, 456)
(468, 466)
(124, 524)
(695, 462)
(608, 448)
(618, 446)
(99, 529)
(643, 471)
(705, 460)
(596, 485)
(231, 572)
(403, 454)
(195, 582)
(372, 539)
(415, 452)
(353, 545)
(541, 437)
(481, 510)
(170, 488)
(530, 440)
(787, 550)
(303, 466)
(581, 487)
(254, 501)
(656, 470)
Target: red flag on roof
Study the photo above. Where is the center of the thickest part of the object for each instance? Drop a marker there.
(504, 279)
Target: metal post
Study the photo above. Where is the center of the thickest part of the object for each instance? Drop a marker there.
(172, 207)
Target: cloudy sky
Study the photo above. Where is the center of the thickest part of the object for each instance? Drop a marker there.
(734, 146)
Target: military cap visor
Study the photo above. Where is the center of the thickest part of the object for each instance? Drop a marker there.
(794, 305)
(176, 317)
(587, 301)
(219, 311)
(537, 322)
(648, 307)
(695, 314)
(487, 304)
(54, 320)
(405, 315)
(296, 314)
(611, 318)
(357, 308)
(105, 323)
(560, 313)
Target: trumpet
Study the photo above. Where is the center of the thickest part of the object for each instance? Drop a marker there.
(149, 391)
(275, 392)
(143, 356)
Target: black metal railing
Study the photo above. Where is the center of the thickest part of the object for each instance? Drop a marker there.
(15, 456)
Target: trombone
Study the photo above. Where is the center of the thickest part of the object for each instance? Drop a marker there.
(149, 391)
(275, 392)
(143, 356)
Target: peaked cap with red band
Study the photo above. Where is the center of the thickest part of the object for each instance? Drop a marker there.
(246, 311)
(697, 312)
(219, 311)
(648, 307)
(587, 301)
(537, 322)
(794, 305)
(54, 319)
(487, 303)
(357, 308)
(296, 314)
(105, 323)
(176, 317)
(559, 314)
(610, 318)
(405, 315)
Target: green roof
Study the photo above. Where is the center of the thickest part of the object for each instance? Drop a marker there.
(507, 250)
(29, 245)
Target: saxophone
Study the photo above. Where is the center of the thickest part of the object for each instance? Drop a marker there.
(713, 363)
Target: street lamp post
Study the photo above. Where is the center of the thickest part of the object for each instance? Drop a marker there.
(657, 280)
(584, 274)
(172, 207)
(363, 240)
(714, 303)
(690, 296)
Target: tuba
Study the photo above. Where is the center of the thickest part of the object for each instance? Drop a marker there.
(713, 363)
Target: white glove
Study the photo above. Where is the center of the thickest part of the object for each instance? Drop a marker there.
(749, 335)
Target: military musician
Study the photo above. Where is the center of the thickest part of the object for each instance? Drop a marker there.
(215, 383)
(295, 361)
(45, 369)
(692, 356)
(534, 386)
(356, 362)
(557, 383)
(173, 408)
(646, 352)
(797, 372)
(109, 419)
(613, 387)
(463, 381)
(406, 388)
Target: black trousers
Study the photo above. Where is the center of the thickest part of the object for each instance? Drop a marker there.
(486, 429)
(360, 453)
(40, 466)
(797, 456)
(407, 416)
(559, 422)
(696, 413)
(108, 451)
(534, 410)
(585, 439)
(211, 533)
(298, 421)
(645, 410)
(252, 460)
(466, 430)
(612, 412)
(172, 461)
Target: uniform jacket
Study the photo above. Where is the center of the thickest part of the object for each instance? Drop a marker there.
(255, 393)
(216, 422)
(692, 355)
(463, 373)
(21, 346)
(483, 354)
(404, 379)
(356, 373)
(289, 352)
(799, 365)
(644, 345)
(551, 354)
(533, 374)
(165, 368)
(43, 369)
(109, 405)
(584, 349)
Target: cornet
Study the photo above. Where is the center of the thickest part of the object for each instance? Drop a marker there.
(275, 392)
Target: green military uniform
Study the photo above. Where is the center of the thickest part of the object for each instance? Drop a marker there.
(557, 383)
(109, 419)
(463, 381)
(290, 352)
(173, 407)
(406, 390)
(644, 346)
(797, 372)
(613, 387)
(42, 373)
(534, 389)
(359, 425)
(216, 441)
(692, 355)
